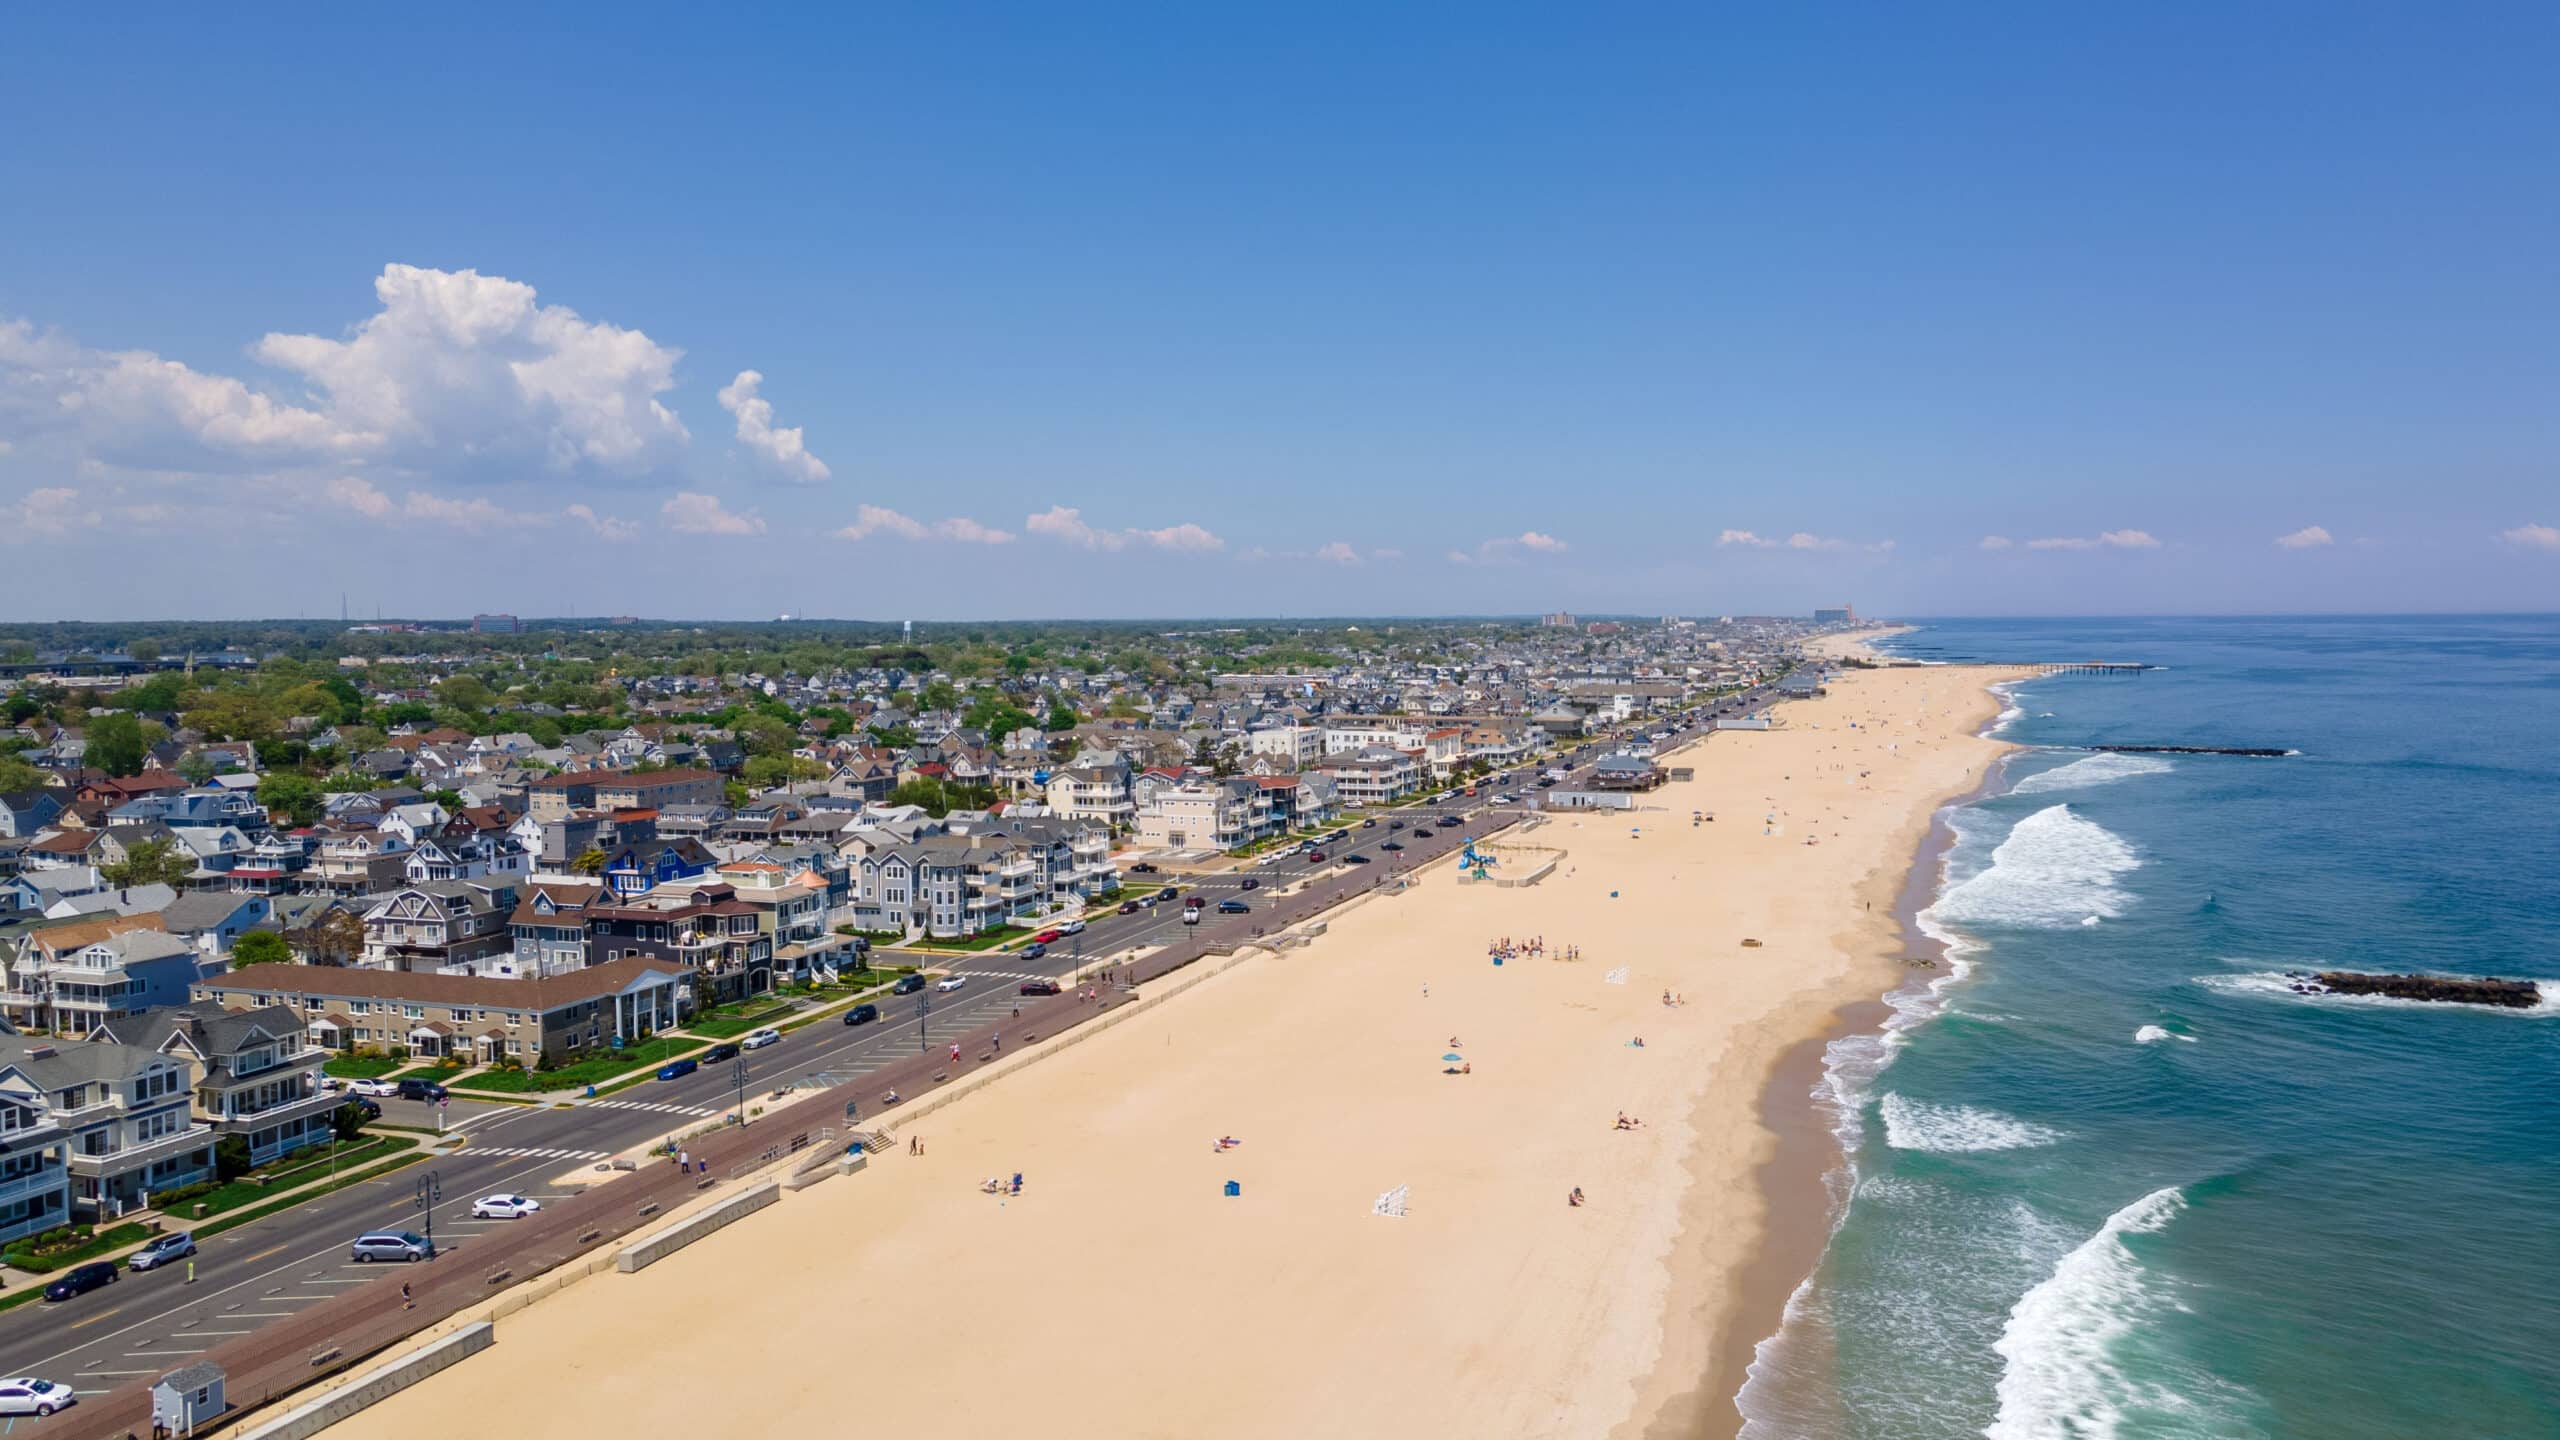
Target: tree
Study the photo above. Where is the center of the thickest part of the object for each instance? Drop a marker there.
(336, 938)
(230, 1158)
(925, 791)
(150, 862)
(764, 735)
(1062, 716)
(348, 1120)
(197, 768)
(115, 744)
(938, 695)
(260, 947)
(17, 775)
(293, 796)
(144, 652)
(590, 861)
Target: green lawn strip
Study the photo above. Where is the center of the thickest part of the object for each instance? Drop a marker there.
(238, 1218)
(12, 1302)
(729, 1022)
(837, 1006)
(982, 941)
(246, 1191)
(360, 1067)
(99, 1244)
(429, 1071)
(647, 1055)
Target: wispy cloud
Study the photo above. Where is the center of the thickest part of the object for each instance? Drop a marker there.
(690, 513)
(606, 527)
(2309, 537)
(46, 514)
(870, 520)
(1508, 547)
(1800, 540)
(1997, 542)
(2110, 540)
(1339, 552)
(783, 449)
(1746, 537)
(1066, 524)
(474, 512)
(2532, 537)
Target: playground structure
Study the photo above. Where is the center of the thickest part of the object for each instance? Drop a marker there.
(1520, 864)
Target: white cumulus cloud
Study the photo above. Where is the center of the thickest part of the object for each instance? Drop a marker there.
(2110, 540)
(783, 449)
(690, 513)
(606, 527)
(870, 520)
(1997, 542)
(1067, 525)
(1338, 552)
(46, 514)
(2309, 537)
(1745, 537)
(2532, 537)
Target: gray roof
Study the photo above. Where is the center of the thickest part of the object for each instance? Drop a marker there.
(201, 910)
(201, 1375)
(215, 1031)
(57, 1064)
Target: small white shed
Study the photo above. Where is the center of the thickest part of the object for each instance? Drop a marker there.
(185, 1399)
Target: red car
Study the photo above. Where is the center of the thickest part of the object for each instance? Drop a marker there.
(1048, 937)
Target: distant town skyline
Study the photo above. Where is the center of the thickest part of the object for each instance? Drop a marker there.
(1324, 313)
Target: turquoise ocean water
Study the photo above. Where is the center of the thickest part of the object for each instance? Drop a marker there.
(2109, 1176)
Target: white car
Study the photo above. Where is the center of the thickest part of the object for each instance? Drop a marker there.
(1072, 927)
(504, 1207)
(951, 982)
(27, 1395)
(376, 1088)
(758, 1039)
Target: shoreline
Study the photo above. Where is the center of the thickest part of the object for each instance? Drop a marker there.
(1638, 1291)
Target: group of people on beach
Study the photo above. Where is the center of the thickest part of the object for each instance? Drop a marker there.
(1507, 948)
(1629, 1122)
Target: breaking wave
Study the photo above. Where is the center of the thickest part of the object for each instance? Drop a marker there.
(2064, 1376)
(2104, 768)
(1956, 1129)
(2054, 870)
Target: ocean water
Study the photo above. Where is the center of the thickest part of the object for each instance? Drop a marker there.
(2108, 1175)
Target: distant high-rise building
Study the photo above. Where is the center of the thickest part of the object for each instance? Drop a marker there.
(1844, 613)
(1558, 621)
(496, 625)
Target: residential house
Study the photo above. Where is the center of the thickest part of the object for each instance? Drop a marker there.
(1095, 786)
(211, 920)
(124, 1112)
(35, 1151)
(253, 1072)
(1373, 776)
(72, 976)
(24, 813)
(1205, 814)
(706, 929)
(439, 926)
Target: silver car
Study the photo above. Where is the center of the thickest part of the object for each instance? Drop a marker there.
(391, 1245)
(161, 1251)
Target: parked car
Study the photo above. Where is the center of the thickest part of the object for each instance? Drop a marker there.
(1506, 798)
(1035, 950)
(1142, 868)
(1355, 859)
(862, 1014)
(1315, 857)
(1040, 987)
(1546, 784)
(371, 1110)
(504, 1207)
(951, 982)
(1248, 883)
(27, 1395)
(1130, 907)
(908, 984)
(1048, 937)
(427, 1090)
(1234, 907)
(393, 1245)
(384, 1088)
(725, 1050)
(1072, 927)
(678, 1069)
(758, 1039)
(161, 1251)
(81, 1279)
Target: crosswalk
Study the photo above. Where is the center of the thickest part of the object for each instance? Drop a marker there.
(654, 1107)
(540, 1152)
(1003, 975)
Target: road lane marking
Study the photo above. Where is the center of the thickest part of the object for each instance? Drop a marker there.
(94, 1319)
(263, 1254)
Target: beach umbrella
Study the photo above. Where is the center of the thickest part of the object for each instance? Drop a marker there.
(1453, 1057)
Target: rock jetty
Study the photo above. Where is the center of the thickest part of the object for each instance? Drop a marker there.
(2262, 752)
(2450, 989)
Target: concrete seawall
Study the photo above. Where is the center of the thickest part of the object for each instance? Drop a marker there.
(641, 1254)
(375, 1385)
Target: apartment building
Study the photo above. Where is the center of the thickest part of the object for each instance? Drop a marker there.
(1206, 815)
(555, 797)
(705, 929)
(125, 1116)
(252, 1072)
(68, 978)
(35, 1151)
(535, 1022)
(1095, 786)
(1373, 776)
(1295, 746)
(443, 925)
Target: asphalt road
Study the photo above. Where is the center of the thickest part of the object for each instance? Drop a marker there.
(148, 1323)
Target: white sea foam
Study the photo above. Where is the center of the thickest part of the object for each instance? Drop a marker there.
(2010, 711)
(2279, 986)
(1956, 1129)
(2104, 768)
(2054, 870)
(2153, 1035)
(2061, 1378)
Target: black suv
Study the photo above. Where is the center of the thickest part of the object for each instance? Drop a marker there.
(908, 984)
(725, 1050)
(81, 1279)
(427, 1090)
(862, 1014)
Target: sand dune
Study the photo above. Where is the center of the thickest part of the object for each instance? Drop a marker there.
(1122, 1294)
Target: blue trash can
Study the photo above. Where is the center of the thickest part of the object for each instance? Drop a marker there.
(1234, 1189)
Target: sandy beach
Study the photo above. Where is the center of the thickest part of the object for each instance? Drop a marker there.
(1122, 1293)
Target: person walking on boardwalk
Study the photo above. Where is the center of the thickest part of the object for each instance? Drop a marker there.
(407, 1300)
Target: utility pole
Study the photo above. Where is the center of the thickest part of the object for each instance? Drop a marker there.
(924, 1007)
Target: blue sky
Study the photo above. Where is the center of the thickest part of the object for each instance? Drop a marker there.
(1311, 310)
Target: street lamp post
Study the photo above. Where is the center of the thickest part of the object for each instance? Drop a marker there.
(924, 1007)
(430, 1191)
(739, 1073)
